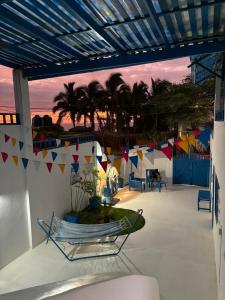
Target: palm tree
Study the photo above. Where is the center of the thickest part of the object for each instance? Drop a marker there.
(66, 102)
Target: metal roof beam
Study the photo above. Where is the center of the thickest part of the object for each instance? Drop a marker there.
(7, 63)
(124, 61)
(190, 7)
(34, 31)
(72, 5)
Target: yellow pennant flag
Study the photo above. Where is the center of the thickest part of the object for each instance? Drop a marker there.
(140, 154)
(44, 153)
(13, 142)
(108, 150)
(184, 146)
(192, 140)
(183, 137)
(34, 134)
(67, 143)
(62, 167)
(15, 159)
(117, 163)
(88, 158)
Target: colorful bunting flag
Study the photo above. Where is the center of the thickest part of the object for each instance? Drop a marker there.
(13, 142)
(75, 157)
(54, 155)
(34, 134)
(183, 137)
(192, 140)
(196, 132)
(36, 164)
(75, 167)
(77, 147)
(134, 160)
(4, 156)
(204, 137)
(184, 146)
(15, 159)
(62, 167)
(108, 150)
(6, 137)
(140, 154)
(99, 158)
(49, 166)
(67, 143)
(21, 144)
(150, 150)
(168, 151)
(25, 162)
(104, 165)
(125, 156)
(117, 164)
(44, 153)
(88, 158)
(35, 150)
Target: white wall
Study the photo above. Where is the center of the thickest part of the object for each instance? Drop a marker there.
(218, 161)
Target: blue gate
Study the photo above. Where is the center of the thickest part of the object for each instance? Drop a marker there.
(191, 169)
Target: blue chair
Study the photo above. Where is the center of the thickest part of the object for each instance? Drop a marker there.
(154, 182)
(135, 182)
(204, 196)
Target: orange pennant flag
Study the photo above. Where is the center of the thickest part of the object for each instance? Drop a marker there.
(13, 142)
(184, 146)
(34, 134)
(192, 140)
(108, 150)
(67, 143)
(140, 154)
(88, 158)
(15, 159)
(44, 153)
(117, 163)
(62, 167)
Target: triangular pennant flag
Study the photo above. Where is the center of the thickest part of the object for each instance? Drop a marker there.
(108, 150)
(63, 156)
(67, 143)
(13, 142)
(21, 144)
(88, 158)
(171, 141)
(58, 142)
(196, 132)
(127, 149)
(36, 150)
(99, 158)
(183, 137)
(192, 140)
(134, 160)
(125, 156)
(168, 151)
(41, 136)
(15, 159)
(62, 167)
(54, 155)
(117, 164)
(25, 162)
(140, 154)
(150, 150)
(36, 164)
(184, 146)
(6, 137)
(49, 166)
(204, 137)
(104, 165)
(44, 153)
(34, 134)
(75, 167)
(4, 156)
(122, 150)
(77, 146)
(93, 149)
(75, 157)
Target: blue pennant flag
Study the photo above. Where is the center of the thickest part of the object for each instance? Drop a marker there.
(93, 150)
(204, 137)
(127, 149)
(99, 158)
(54, 155)
(134, 160)
(25, 162)
(75, 167)
(21, 144)
(150, 150)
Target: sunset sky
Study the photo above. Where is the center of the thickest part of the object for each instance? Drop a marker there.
(42, 92)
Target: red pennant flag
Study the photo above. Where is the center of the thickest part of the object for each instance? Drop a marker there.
(75, 157)
(125, 155)
(41, 136)
(167, 151)
(4, 156)
(7, 137)
(151, 145)
(36, 150)
(49, 166)
(122, 150)
(196, 132)
(104, 165)
(77, 147)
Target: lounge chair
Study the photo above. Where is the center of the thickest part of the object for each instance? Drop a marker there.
(69, 237)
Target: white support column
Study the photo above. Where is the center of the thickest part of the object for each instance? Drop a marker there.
(22, 102)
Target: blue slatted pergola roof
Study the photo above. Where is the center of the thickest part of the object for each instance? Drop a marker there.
(49, 38)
